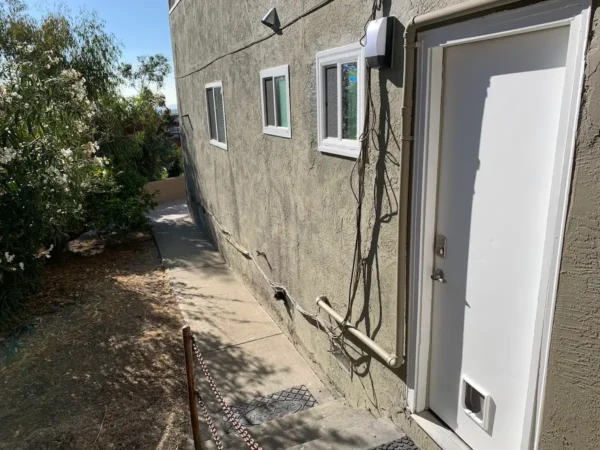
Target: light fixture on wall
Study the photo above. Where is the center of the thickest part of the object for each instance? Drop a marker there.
(271, 19)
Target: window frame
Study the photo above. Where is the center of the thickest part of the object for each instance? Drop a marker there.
(338, 56)
(275, 72)
(215, 142)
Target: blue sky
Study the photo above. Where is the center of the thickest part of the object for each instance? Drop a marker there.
(141, 26)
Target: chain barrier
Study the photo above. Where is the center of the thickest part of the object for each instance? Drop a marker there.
(209, 422)
(250, 442)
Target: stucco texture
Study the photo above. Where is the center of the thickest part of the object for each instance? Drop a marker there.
(284, 198)
(296, 206)
(572, 405)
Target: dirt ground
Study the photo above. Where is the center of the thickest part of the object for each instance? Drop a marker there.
(97, 363)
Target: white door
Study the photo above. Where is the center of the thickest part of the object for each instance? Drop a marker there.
(501, 108)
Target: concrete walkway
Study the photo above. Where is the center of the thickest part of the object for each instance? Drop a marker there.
(244, 348)
(250, 357)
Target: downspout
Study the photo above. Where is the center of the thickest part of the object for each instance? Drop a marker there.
(406, 146)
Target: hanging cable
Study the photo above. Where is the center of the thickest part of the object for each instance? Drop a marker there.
(359, 194)
(258, 41)
(335, 332)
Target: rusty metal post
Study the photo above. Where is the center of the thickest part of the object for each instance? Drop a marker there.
(191, 384)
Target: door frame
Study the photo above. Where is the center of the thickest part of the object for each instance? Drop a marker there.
(429, 80)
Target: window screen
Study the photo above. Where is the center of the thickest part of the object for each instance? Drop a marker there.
(220, 113)
(340, 96)
(331, 96)
(349, 101)
(269, 102)
(216, 114)
(281, 102)
(210, 101)
(274, 86)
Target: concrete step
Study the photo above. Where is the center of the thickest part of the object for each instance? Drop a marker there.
(301, 418)
(285, 423)
(367, 435)
(309, 425)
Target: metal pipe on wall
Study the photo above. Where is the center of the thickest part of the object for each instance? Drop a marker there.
(390, 360)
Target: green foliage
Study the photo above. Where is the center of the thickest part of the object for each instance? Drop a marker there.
(74, 153)
(117, 203)
(46, 163)
(176, 167)
(151, 70)
(133, 134)
(80, 43)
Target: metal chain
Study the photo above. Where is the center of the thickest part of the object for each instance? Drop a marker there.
(209, 422)
(250, 442)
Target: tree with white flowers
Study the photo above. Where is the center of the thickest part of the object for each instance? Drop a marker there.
(60, 170)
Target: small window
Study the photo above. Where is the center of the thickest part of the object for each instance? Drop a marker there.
(340, 93)
(216, 114)
(275, 95)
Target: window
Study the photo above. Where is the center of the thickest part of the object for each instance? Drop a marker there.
(275, 95)
(216, 114)
(340, 96)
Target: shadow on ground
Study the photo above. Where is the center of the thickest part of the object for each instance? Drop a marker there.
(103, 367)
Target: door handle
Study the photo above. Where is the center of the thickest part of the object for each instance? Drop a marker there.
(438, 275)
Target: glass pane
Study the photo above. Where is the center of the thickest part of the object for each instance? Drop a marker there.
(210, 101)
(331, 118)
(281, 95)
(349, 101)
(269, 102)
(220, 115)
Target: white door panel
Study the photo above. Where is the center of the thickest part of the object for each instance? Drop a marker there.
(500, 117)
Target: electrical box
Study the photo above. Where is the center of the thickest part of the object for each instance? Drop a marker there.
(379, 42)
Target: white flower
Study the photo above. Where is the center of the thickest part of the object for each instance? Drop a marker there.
(22, 266)
(80, 126)
(101, 161)
(70, 75)
(9, 258)
(7, 154)
(67, 152)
